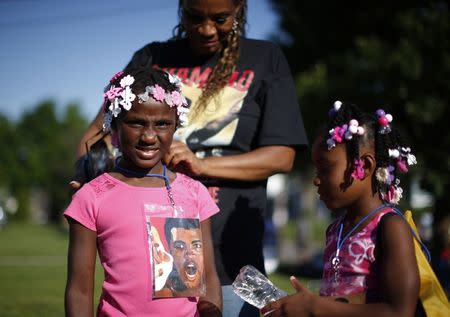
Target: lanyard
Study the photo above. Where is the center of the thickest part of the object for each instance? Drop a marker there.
(163, 176)
(336, 260)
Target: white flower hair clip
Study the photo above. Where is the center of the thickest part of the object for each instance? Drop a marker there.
(117, 96)
(174, 79)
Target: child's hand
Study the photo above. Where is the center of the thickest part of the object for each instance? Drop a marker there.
(298, 305)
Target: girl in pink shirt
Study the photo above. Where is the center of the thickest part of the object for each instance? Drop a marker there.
(152, 266)
(370, 267)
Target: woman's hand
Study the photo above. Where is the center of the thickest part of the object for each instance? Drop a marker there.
(299, 304)
(79, 178)
(74, 185)
(181, 159)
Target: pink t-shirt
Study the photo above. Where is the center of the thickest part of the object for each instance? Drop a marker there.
(117, 212)
(357, 268)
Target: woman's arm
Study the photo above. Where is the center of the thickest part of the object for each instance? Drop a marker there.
(80, 271)
(399, 280)
(255, 165)
(211, 304)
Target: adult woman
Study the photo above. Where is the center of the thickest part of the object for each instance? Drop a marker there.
(244, 124)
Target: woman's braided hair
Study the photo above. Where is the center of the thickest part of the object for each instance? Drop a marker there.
(381, 142)
(228, 58)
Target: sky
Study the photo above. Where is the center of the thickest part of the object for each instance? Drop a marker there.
(67, 50)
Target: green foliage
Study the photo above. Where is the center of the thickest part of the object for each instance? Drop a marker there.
(39, 152)
(393, 55)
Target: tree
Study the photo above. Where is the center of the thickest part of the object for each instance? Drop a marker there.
(39, 152)
(394, 55)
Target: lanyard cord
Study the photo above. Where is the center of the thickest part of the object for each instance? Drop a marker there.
(163, 176)
(339, 242)
(422, 245)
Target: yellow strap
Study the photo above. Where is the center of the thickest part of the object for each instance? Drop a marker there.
(431, 294)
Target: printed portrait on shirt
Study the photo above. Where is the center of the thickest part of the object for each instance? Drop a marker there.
(162, 260)
(177, 243)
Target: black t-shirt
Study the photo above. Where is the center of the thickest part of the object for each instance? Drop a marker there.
(257, 108)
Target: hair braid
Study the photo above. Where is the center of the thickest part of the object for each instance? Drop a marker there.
(228, 57)
(382, 144)
(346, 113)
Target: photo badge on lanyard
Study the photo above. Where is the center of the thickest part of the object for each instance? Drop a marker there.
(176, 253)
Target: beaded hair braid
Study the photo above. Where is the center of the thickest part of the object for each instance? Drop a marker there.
(228, 56)
(391, 154)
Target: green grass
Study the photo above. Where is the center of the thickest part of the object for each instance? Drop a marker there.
(33, 270)
(282, 282)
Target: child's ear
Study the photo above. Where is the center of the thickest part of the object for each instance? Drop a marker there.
(369, 164)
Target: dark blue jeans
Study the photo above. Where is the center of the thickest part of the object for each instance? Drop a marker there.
(234, 306)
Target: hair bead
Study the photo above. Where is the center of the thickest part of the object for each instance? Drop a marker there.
(392, 158)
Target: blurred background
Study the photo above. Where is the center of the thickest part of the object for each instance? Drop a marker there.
(56, 57)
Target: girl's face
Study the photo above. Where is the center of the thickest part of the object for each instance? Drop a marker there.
(332, 176)
(145, 133)
(207, 23)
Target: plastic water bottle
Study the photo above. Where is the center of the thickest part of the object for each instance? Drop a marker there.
(255, 288)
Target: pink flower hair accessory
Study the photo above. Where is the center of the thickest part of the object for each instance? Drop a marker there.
(393, 194)
(157, 92)
(119, 98)
(116, 77)
(403, 158)
(112, 93)
(173, 99)
(122, 97)
(402, 167)
(358, 172)
(345, 132)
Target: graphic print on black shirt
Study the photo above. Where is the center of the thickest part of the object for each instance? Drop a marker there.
(216, 125)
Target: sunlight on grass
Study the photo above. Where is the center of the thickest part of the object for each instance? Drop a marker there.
(33, 271)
